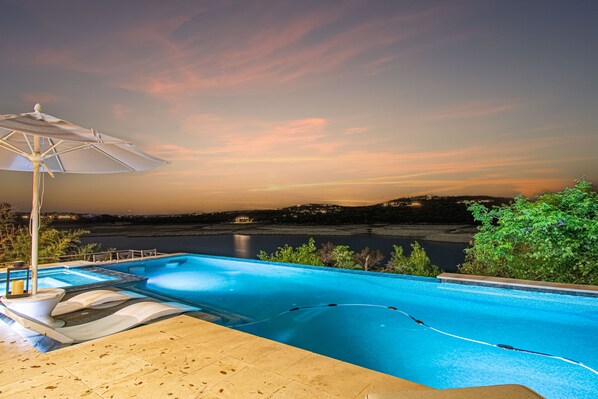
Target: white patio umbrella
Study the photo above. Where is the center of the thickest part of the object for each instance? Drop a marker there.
(39, 142)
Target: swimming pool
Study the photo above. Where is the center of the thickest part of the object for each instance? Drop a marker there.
(439, 334)
(59, 277)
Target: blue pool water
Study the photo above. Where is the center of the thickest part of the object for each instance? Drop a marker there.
(439, 334)
(58, 277)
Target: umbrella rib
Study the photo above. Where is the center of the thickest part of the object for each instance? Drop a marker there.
(80, 147)
(28, 142)
(53, 148)
(113, 158)
(8, 135)
(14, 149)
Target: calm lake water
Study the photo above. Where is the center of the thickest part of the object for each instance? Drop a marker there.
(445, 255)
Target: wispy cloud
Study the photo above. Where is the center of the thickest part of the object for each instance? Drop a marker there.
(120, 111)
(155, 57)
(476, 109)
(357, 130)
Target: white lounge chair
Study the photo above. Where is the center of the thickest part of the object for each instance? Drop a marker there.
(124, 319)
(96, 299)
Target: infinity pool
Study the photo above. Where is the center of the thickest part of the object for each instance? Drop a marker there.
(438, 334)
(59, 277)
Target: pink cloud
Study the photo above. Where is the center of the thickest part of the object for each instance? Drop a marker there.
(475, 109)
(120, 111)
(153, 58)
(235, 141)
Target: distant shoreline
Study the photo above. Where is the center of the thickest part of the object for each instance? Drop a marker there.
(461, 233)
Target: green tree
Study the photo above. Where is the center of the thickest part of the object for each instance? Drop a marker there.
(417, 263)
(15, 241)
(554, 238)
(7, 230)
(344, 258)
(306, 254)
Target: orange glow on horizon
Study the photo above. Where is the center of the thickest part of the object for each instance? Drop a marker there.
(308, 103)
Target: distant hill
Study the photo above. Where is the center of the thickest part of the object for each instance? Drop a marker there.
(407, 210)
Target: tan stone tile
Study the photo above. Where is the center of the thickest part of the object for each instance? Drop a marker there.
(223, 339)
(182, 358)
(212, 374)
(55, 385)
(250, 382)
(280, 359)
(254, 350)
(157, 384)
(131, 340)
(13, 345)
(208, 395)
(68, 356)
(24, 366)
(12, 388)
(330, 375)
(297, 390)
(160, 343)
(388, 383)
(183, 326)
(113, 366)
(210, 331)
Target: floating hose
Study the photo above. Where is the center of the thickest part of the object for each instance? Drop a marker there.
(423, 324)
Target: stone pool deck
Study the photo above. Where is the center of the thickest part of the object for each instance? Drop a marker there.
(182, 357)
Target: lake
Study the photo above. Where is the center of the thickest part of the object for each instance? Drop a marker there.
(445, 255)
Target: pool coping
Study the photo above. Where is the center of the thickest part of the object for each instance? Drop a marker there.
(96, 267)
(84, 263)
(453, 278)
(526, 285)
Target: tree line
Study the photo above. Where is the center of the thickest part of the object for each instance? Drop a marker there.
(341, 256)
(15, 241)
(552, 238)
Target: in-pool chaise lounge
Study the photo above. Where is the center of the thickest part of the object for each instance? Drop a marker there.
(96, 299)
(124, 319)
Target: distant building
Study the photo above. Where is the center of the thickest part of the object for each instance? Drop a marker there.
(56, 216)
(243, 219)
(66, 217)
(394, 203)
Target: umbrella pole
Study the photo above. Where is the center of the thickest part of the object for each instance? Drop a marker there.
(35, 217)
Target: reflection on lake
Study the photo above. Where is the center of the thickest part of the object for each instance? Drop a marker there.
(241, 247)
(445, 255)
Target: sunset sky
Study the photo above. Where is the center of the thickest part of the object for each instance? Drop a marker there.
(263, 104)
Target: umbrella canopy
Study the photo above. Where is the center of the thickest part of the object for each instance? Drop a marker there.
(39, 142)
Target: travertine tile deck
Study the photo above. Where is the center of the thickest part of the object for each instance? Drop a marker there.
(182, 357)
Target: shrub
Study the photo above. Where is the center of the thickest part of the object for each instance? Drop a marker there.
(344, 258)
(52, 244)
(369, 259)
(417, 264)
(306, 254)
(554, 238)
(15, 241)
